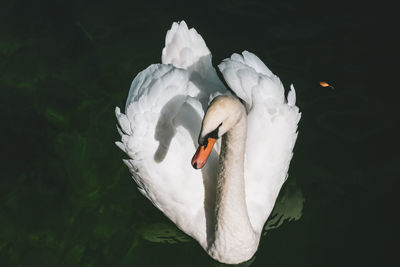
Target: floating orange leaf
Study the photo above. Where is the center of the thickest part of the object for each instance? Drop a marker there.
(325, 84)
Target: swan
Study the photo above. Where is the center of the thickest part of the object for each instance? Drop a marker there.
(242, 141)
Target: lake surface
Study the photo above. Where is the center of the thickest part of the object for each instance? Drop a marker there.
(68, 200)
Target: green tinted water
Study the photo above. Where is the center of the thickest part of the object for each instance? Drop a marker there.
(68, 200)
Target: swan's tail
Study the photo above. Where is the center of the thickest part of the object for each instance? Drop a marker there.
(185, 48)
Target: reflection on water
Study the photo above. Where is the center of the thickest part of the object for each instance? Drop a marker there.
(288, 206)
(163, 233)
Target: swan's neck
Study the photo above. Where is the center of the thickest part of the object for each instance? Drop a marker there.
(235, 240)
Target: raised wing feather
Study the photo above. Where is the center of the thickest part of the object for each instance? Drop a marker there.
(185, 48)
(250, 79)
(272, 131)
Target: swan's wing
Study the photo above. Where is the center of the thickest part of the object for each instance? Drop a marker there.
(159, 134)
(160, 128)
(272, 131)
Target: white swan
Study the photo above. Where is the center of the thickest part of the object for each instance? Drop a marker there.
(223, 210)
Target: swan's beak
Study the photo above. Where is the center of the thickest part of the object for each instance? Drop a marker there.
(200, 157)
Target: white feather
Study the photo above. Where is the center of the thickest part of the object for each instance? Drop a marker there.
(291, 96)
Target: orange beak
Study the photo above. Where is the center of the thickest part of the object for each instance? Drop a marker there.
(200, 157)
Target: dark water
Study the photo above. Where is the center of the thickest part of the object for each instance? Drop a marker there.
(67, 199)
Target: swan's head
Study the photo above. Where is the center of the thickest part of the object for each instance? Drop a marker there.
(223, 113)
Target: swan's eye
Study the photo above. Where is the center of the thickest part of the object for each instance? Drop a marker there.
(214, 134)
